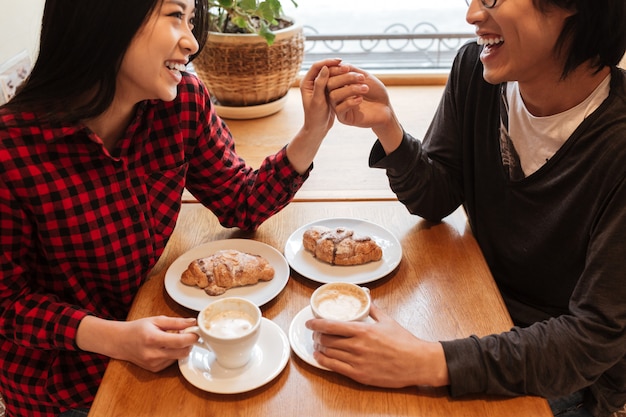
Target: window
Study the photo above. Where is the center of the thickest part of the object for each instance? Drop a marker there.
(393, 37)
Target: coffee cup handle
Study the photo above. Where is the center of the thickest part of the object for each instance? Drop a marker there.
(196, 330)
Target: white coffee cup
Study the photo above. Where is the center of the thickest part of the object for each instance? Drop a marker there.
(342, 301)
(230, 328)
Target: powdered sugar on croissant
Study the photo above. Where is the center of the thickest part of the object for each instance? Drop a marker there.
(340, 246)
(226, 269)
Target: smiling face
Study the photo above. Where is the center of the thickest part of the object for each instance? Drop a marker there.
(152, 65)
(519, 40)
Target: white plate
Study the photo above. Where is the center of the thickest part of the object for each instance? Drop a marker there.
(303, 261)
(269, 358)
(301, 338)
(196, 299)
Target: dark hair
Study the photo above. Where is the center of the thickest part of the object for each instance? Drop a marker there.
(596, 32)
(81, 48)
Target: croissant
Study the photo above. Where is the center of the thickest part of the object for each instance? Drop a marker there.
(226, 269)
(340, 246)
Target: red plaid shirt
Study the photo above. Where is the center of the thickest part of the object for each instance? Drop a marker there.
(81, 227)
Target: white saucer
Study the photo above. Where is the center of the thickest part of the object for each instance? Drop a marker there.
(269, 358)
(301, 338)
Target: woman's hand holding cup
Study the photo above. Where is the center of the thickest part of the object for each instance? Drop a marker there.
(230, 328)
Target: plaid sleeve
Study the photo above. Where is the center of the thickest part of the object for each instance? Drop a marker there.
(29, 318)
(239, 195)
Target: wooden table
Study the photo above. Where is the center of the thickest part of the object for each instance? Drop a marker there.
(340, 169)
(442, 289)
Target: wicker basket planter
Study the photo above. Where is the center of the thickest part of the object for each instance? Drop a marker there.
(242, 70)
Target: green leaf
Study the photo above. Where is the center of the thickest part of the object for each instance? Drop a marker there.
(267, 34)
(240, 21)
(267, 12)
(248, 5)
(275, 7)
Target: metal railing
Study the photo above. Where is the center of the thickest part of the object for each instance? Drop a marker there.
(398, 48)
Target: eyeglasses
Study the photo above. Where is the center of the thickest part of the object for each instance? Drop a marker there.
(489, 4)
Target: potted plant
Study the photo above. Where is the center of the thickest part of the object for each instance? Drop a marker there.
(253, 52)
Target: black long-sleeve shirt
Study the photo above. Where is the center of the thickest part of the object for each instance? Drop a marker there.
(555, 241)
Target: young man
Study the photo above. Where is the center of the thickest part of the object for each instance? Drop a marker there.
(530, 137)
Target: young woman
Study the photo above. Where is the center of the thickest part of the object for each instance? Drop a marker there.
(530, 137)
(95, 150)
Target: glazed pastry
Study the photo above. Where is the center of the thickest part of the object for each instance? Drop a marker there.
(340, 246)
(226, 269)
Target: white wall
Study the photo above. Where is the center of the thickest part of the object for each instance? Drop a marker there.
(20, 23)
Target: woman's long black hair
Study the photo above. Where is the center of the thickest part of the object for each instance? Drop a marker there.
(81, 48)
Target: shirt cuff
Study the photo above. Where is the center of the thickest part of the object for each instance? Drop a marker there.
(67, 328)
(283, 165)
(465, 367)
(399, 158)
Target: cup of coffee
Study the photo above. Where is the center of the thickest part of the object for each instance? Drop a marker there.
(230, 328)
(342, 301)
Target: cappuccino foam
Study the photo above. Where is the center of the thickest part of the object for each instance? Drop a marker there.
(339, 306)
(229, 324)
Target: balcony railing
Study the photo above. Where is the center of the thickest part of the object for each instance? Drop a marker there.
(399, 48)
